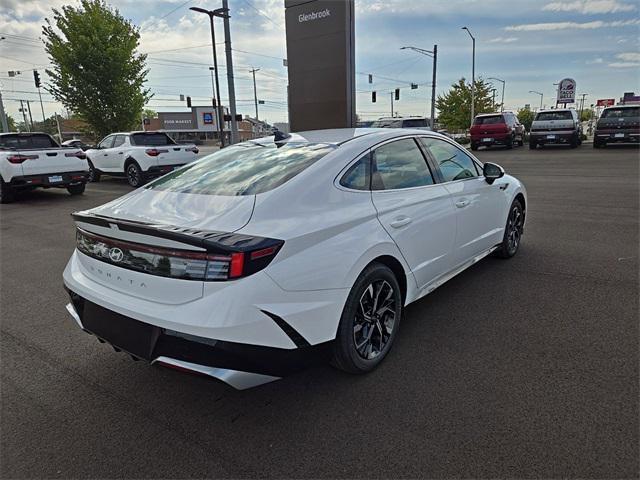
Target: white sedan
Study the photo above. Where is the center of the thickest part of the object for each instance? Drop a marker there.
(276, 253)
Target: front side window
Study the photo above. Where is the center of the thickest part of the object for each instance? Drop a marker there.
(107, 142)
(119, 140)
(244, 169)
(454, 163)
(399, 164)
(359, 175)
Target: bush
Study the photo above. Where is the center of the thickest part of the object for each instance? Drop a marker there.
(463, 140)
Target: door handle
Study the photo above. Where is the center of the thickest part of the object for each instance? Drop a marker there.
(119, 153)
(401, 222)
(462, 203)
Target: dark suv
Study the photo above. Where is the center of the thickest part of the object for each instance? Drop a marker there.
(618, 124)
(496, 129)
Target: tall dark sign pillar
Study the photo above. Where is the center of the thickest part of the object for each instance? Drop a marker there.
(321, 61)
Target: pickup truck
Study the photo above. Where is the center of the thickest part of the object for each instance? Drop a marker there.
(618, 124)
(139, 156)
(558, 126)
(35, 160)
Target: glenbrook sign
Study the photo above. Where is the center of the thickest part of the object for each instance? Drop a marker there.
(566, 91)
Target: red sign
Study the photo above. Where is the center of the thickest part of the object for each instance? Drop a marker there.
(606, 102)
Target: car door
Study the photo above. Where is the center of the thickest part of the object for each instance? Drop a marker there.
(100, 160)
(478, 205)
(116, 154)
(414, 210)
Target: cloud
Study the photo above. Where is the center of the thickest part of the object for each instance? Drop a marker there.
(539, 27)
(503, 40)
(595, 61)
(588, 7)
(627, 60)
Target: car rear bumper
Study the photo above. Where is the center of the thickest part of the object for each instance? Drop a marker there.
(564, 136)
(49, 180)
(158, 170)
(239, 365)
(624, 136)
(491, 139)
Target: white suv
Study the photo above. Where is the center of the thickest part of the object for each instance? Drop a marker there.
(138, 155)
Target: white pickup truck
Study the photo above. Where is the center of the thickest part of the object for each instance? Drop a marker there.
(138, 155)
(33, 160)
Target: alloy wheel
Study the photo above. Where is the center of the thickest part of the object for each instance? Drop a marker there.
(514, 228)
(133, 175)
(375, 319)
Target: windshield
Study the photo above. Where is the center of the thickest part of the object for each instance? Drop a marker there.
(621, 112)
(151, 139)
(560, 115)
(489, 120)
(34, 141)
(245, 169)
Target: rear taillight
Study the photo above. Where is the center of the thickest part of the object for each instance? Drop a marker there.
(173, 263)
(18, 158)
(79, 154)
(154, 152)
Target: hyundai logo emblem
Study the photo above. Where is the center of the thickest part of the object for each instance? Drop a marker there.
(116, 255)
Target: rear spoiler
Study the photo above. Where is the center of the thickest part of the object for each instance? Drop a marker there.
(211, 241)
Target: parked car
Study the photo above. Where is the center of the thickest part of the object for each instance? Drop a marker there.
(35, 160)
(139, 156)
(248, 263)
(618, 124)
(75, 143)
(491, 129)
(559, 126)
(421, 123)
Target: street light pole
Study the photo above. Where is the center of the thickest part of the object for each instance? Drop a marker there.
(473, 74)
(503, 83)
(391, 93)
(582, 104)
(433, 54)
(255, 91)
(541, 96)
(215, 13)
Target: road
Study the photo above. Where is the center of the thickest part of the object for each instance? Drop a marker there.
(518, 368)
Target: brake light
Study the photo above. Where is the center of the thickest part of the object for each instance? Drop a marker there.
(79, 154)
(154, 152)
(19, 158)
(173, 263)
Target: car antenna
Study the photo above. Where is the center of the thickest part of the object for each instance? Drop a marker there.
(279, 136)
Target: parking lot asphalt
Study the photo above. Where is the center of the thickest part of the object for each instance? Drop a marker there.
(519, 368)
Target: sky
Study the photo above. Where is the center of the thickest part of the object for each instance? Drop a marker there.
(531, 44)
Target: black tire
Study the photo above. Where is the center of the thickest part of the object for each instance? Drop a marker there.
(474, 146)
(521, 142)
(574, 142)
(597, 144)
(532, 145)
(7, 193)
(135, 176)
(357, 321)
(94, 175)
(512, 232)
(509, 144)
(77, 189)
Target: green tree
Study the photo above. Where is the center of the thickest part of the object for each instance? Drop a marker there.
(526, 116)
(149, 113)
(96, 72)
(11, 123)
(455, 105)
(587, 114)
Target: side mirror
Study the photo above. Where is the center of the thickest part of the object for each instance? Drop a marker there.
(492, 172)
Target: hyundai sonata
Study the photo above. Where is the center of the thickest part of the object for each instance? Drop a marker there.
(267, 255)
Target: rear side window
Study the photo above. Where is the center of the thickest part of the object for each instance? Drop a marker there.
(454, 163)
(245, 169)
(151, 139)
(34, 141)
(489, 120)
(560, 115)
(399, 164)
(621, 112)
(359, 175)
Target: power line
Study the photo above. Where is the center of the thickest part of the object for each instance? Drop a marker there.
(166, 15)
(260, 12)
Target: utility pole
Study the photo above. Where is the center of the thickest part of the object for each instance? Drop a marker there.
(255, 92)
(217, 108)
(503, 83)
(24, 115)
(3, 116)
(30, 117)
(58, 126)
(392, 94)
(582, 105)
(36, 79)
(434, 54)
(493, 99)
(473, 75)
(230, 81)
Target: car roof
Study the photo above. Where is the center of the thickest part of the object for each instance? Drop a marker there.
(557, 110)
(622, 106)
(491, 114)
(339, 136)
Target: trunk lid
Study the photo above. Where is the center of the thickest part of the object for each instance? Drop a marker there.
(489, 125)
(52, 161)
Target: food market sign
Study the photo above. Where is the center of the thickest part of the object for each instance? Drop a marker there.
(567, 91)
(320, 59)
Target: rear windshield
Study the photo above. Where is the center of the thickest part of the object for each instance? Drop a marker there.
(151, 139)
(387, 124)
(560, 115)
(415, 122)
(245, 169)
(621, 112)
(489, 120)
(35, 141)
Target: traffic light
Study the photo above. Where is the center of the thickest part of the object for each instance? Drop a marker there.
(226, 117)
(373, 97)
(189, 102)
(397, 94)
(36, 78)
(239, 117)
